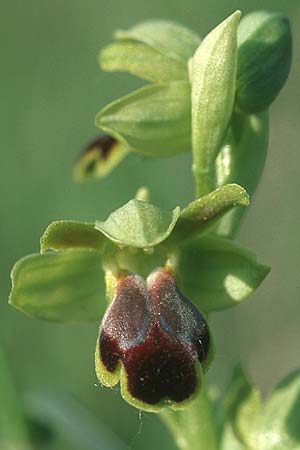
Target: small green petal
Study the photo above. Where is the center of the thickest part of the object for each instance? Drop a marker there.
(201, 214)
(65, 287)
(154, 120)
(213, 93)
(139, 224)
(217, 274)
(66, 234)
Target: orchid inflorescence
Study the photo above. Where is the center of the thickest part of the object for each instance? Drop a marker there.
(164, 272)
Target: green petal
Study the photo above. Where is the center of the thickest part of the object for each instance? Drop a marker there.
(213, 93)
(216, 273)
(65, 234)
(203, 212)
(242, 160)
(154, 120)
(63, 287)
(141, 60)
(280, 424)
(170, 39)
(139, 224)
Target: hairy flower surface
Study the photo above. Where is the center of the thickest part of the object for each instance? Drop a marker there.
(159, 337)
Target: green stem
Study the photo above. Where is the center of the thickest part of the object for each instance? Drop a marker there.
(204, 175)
(193, 428)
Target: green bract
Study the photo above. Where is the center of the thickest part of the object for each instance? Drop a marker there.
(264, 59)
(154, 120)
(242, 160)
(170, 39)
(143, 61)
(213, 92)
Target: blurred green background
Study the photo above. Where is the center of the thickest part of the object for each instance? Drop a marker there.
(51, 88)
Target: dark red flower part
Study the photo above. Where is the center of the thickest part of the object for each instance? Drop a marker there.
(158, 334)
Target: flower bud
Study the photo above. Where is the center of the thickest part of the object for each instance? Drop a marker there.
(152, 339)
(264, 59)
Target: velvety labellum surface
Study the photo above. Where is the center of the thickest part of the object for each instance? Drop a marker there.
(158, 335)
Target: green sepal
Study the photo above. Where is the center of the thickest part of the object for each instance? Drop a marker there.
(65, 287)
(216, 273)
(195, 425)
(172, 40)
(213, 93)
(139, 224)
(242, 160)
(264, 59)
(242, 407)
(154, 120)
(13, 429)
(280, 422)
(99, 159)
(66, 234)
(201, 214)
(143, 61)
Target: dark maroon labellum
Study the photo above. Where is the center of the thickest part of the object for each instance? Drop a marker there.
(158, 334)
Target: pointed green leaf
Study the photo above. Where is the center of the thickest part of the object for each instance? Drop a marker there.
(13, 430)
(65, 234)
(62, 287)
(193, 427)
(139, 224)
(203, 212)
(213, 93)
(264, 59)
(280, 424)
(243, 409)
(216, 273)
(99, 158)
(143, 61)
(170, 39)
(242, 160)
(154, 120)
